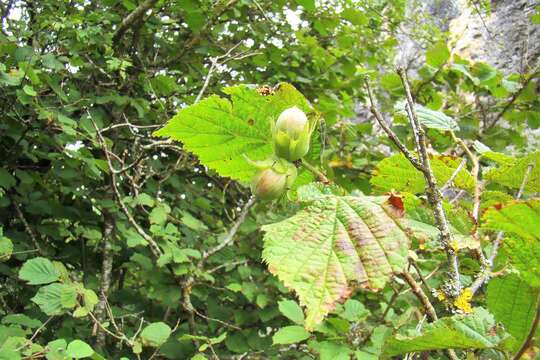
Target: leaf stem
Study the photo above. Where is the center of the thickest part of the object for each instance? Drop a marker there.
(528, 341)
(322, 177)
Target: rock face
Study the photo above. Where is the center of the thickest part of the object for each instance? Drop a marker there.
(506, 38)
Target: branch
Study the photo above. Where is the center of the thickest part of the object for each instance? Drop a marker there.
(154, 248)
(412, 159)
(27, 227)
(424, 300)
(132, 18)
(454, 175)
(106, 270)
(433, 193)
(428, 307)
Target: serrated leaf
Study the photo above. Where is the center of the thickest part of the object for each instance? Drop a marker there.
(290, 335)
(334, 245)
(511, 171)
(78, 349)
(513, 302)
(431, 119)
(221, 131)
(38, 271)
(291, 310)
(155, 334)
(396, 173)
(475, 331)
(520, 220)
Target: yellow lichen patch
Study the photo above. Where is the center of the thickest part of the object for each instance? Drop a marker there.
(455, 245)
(463, 301)
(440, 295)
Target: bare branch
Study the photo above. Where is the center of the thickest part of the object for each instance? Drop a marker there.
(433, 193)
(154, 248)
(454, 175)
(134, 16)
(412, 159)
(106, 271)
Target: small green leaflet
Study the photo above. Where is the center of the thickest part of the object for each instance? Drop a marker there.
(292, 311)
(334, 245)
(290, 335)
(475, 331)
(155, 334)
(221, 132)
(513, 302)
(429, 118)
(78, 349)
(520, 220)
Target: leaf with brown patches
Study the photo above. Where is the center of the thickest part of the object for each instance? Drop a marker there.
(333, 246)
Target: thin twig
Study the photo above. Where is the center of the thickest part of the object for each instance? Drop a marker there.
(322, 177)
(454, 175)
(412, 159)
(27, 227)
(428, 307)
(154, 248)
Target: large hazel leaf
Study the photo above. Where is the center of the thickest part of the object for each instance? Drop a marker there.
(511, 171)
(397, 173)
(513, 302)
(333, 246)
(221, 131)
(520, 220)
(475, 331)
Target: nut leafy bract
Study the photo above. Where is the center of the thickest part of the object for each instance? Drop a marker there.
(222, 132)
(333, 246)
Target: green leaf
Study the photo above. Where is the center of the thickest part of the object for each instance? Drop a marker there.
(396, 173)
(155, 334)
(29, 90)
(290, 335)
(354, 310)
(49, 298)
(437, 55)
(56, 350)
(291, 310)
(329, 350)
(333, 246)
(78, 349)
(475, 331)
(6, 179)
(429, 118)
(222, 132)
(520, 220)
(38, 271)
(21, 319)
(6, 247)
(512, 171)
(513, 302)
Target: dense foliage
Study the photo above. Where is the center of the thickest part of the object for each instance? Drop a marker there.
(131, 131)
